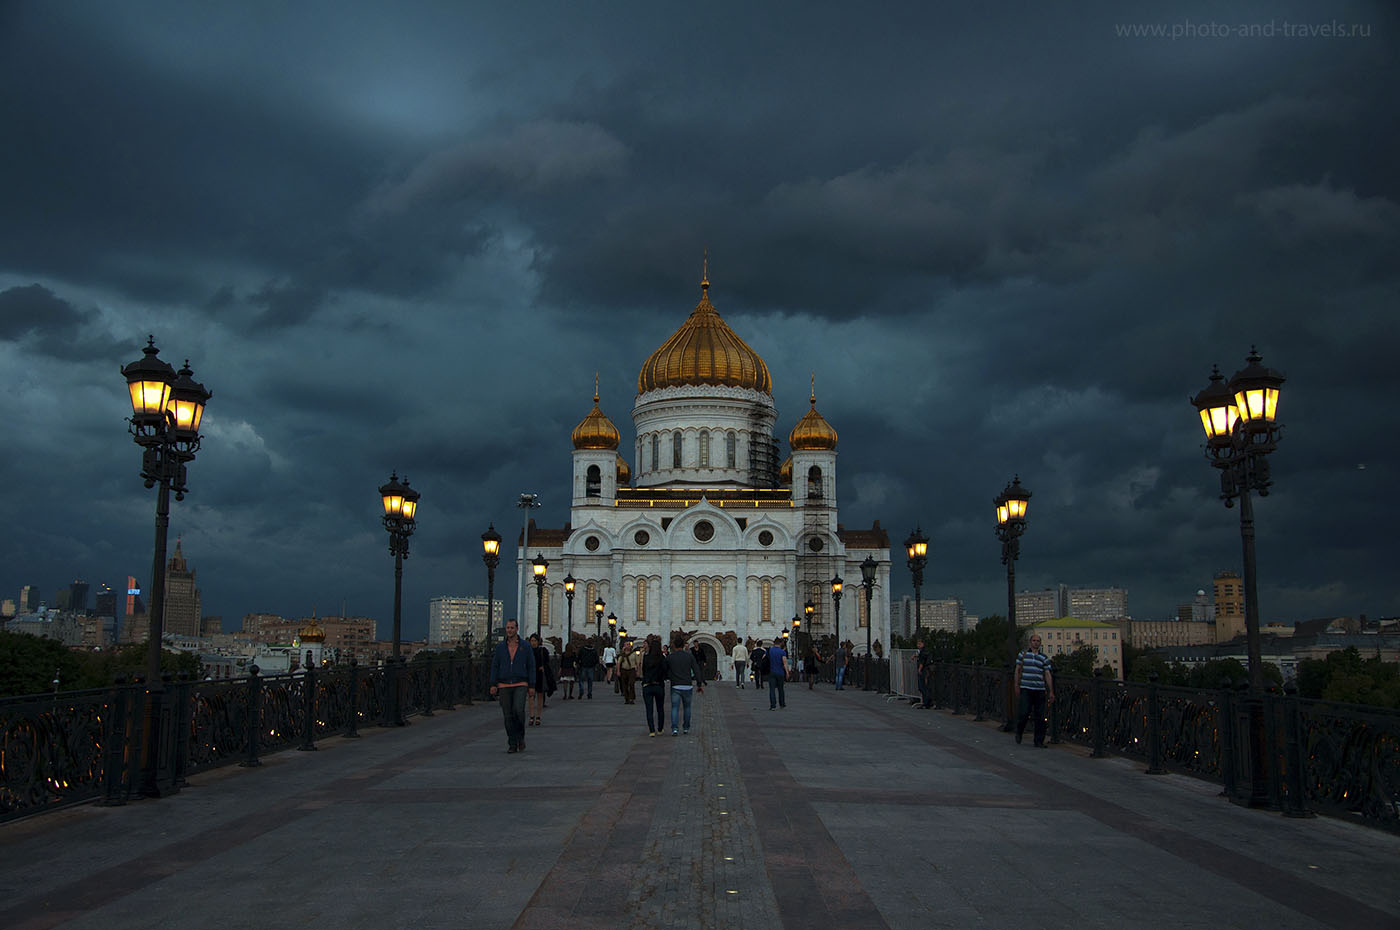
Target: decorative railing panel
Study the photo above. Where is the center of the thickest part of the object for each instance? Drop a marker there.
(1351, 760)
(218, 724)
(53, 750)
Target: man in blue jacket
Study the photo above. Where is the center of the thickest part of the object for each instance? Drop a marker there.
(512, 679)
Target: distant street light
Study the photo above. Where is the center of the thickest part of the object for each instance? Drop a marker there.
(541, 565)
(598, 606)
(836, 586)
(867, 575)
(1011, 506)
(612, 630)
(491, 555)
(916, 548)
(1241, 430)
(400, 519)
(569, 582)
(167, 408)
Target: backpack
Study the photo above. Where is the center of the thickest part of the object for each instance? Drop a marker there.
(760, 661)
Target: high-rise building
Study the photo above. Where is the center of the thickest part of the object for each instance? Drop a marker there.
(28, 599)
(74, 597)
(182, 601)
(106, 610)
(1036, 606)
(7, 608)
(1229, 606)
(1199, 610)
(945, 614)
(1101, 605)
(449, 617)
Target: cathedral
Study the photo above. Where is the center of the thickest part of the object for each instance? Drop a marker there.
(711, 533)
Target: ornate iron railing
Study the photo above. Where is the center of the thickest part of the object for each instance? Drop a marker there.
(1318, 756)
(79, 746)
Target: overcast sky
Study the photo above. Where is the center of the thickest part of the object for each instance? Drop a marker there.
(1008, 238)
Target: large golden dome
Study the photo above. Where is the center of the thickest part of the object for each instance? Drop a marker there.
(596, 431)
(705, 351)
(812, 431)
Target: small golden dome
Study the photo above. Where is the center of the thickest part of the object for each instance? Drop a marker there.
(785, 471)
(624, 471)
(312, 632)
(705, 351)
(596, 431)
(812, 432)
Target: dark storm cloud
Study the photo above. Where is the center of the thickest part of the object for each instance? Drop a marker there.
(1006, 239)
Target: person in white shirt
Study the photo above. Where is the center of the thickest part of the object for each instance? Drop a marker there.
(610, 663)
(740, 655)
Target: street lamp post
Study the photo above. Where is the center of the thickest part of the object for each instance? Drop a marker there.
(1011, 506)
(836, 586)
(166, 410)
(598, 606)
(916, 547)
(491, 555)
(540, 565)
(526, 503)
(569, 582)
(400, 519)
(612, 630)
(1240, 421)
(808, 609)
(867, 576)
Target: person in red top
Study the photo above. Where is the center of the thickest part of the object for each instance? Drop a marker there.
(512, 680)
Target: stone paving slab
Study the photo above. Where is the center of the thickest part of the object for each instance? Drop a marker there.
(843, 810)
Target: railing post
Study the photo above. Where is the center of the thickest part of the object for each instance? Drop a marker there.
(254, 722)
(1154, 728)
(1296, 804)
(1054, 712)
(428, 669)
(164, 738)
(115, 732)
(977, 690)
(1228, 755)
(1096, 714)
(956, 681)
(352, 724)
(184, 715)
(1270, 704)
(308, 709)
(471, 677)
(450, 692)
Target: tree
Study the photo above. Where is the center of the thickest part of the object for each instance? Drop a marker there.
(29, 664)
(1078, 664)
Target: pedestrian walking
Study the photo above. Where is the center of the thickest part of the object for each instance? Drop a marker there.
(1036, 687)
(923, 666)
(609, 666)
(587, 669)
(628, 665)
(544, 680)
(810, 661)
(842, 659)
(655, 676)
(567, 675)
(686, 679)
(740, 655)
(759, 660)
(777, 676)
(512, 680)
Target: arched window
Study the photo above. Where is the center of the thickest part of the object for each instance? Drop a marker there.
(690, 601)
(676, 450)
(641, 600)
(704, 598)
(814, 483)
(730, 449)
(765, 601)
(705, 449)
(655, 451)
(594, 482)
(590, 598)
(717, 600)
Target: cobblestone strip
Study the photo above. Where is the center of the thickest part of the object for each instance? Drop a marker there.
(702, 860)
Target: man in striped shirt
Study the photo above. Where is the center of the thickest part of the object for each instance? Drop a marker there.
(1036, 687)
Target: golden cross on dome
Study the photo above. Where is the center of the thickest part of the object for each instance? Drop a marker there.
(595, 387)
(814, 389)
(705, 273)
